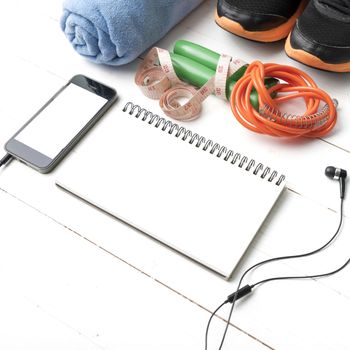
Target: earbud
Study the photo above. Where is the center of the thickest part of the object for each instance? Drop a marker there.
(337, 174)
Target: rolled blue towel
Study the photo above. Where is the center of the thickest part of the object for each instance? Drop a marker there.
(115, 32)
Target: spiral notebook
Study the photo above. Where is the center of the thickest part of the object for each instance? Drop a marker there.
(192, 194)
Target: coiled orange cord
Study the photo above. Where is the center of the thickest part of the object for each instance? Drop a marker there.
(270, 120)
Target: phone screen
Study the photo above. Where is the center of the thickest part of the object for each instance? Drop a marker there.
(61, 120)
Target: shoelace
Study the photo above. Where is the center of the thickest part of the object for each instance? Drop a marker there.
(343, 6)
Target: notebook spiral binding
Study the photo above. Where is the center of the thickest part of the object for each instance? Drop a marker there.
(204, 144)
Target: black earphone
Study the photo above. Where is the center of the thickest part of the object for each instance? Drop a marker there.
(337, 174)
(332, 173)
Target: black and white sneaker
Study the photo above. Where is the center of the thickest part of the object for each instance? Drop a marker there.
(321, 36)
(259, 20)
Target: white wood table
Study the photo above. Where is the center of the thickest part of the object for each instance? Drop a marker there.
(74, 278)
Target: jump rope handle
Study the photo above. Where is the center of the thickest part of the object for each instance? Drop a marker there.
(196, 64)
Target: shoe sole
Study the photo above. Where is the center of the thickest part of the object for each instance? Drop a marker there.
(266, 36)
(313, 61)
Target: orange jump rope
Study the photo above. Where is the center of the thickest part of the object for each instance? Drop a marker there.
(269, 119)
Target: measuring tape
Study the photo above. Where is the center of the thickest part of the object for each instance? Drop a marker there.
(160, 82)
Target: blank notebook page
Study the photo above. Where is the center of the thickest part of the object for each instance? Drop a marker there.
(191, 200)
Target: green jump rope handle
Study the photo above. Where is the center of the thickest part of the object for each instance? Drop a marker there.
(198, 74)
(196, 64)
(197, 53)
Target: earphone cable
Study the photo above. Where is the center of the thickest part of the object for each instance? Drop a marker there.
(303, 255)
(303, 277)
(231, 311)
(230, 314)
(235, 296)
(210, 319)
(308, 254)
(5, 159)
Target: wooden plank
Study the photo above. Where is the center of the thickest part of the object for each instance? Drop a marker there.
(26, 324)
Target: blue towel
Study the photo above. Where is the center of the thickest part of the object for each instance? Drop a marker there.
(115, 32)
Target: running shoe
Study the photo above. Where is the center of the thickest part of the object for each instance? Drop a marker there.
(321, 36)
(259, 20)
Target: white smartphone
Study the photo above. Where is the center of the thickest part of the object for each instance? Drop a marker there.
(52, 132)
